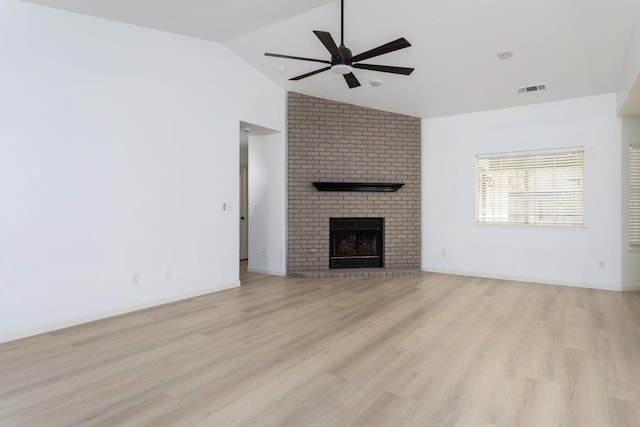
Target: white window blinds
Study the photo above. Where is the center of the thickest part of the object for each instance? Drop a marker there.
(536, 188)
(634, 196)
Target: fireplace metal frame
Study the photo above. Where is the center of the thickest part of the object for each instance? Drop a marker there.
(357, 224)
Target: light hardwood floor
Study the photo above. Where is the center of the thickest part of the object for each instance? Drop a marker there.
(425, 350)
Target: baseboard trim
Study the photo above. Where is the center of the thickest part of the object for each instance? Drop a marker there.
(110, 313)
(269, 272)
(526, 279)
(630, 288)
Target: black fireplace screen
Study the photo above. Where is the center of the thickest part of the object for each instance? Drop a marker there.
(356, 242)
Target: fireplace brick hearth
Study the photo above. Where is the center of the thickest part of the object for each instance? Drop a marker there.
(335, 142)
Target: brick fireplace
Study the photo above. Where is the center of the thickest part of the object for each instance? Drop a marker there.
(332, 142)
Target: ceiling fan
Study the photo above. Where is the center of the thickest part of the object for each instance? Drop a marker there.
(342, 60)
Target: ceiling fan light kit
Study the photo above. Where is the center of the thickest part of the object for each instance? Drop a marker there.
(341, 69)
(342, 60)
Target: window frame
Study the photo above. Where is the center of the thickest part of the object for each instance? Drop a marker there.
(633, 197)
(544, 204)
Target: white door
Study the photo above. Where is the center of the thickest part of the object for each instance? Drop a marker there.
(244, 212)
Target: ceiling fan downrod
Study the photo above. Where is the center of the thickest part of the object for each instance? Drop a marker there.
(341, 22)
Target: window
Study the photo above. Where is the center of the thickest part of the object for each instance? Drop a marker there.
(535, 188)
(634, 196)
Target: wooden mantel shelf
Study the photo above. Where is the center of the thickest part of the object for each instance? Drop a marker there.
(357, 186)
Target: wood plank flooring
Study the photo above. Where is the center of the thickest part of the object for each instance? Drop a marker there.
(425, 350)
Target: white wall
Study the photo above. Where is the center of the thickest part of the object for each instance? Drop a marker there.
(547, 255)
(118, 147)
(630, 258)
(267, 204)
(629, 81)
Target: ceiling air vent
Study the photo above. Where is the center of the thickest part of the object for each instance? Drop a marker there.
(534, 88)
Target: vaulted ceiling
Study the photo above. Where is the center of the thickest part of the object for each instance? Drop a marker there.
(575, 47)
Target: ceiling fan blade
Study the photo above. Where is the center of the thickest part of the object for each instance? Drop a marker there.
(351, 80)
(304, 76)
(398, 44)
(328, 42)
(385, 68)
(277, 55)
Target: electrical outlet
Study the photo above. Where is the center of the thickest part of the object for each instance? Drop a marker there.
(135, 279)
(443, 253)
(601, 264)
(168, 274)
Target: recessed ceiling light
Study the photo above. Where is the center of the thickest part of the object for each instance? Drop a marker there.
(505, 54)
(280, 69)
(375, 82)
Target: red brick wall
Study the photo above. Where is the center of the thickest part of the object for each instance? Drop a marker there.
(331, 141)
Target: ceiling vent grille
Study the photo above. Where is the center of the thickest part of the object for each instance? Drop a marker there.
(534, 88)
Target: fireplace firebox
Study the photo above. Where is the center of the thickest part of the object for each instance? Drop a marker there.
(356, 242)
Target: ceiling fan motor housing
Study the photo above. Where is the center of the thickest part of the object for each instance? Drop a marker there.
(345, 56)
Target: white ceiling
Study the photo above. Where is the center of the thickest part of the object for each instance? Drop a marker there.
(576, 47)
(215, 20)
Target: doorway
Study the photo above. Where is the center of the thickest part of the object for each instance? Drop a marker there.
(243, 211)
(262, 200)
